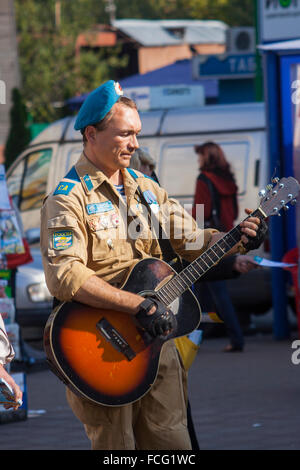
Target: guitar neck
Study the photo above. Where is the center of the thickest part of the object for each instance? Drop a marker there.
(176, 286)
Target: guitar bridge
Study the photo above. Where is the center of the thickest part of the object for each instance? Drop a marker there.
(115, 339)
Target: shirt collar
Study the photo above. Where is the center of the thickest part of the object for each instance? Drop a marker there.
(91, 177)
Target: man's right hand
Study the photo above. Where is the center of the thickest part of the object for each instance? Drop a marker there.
(243, 264)
(159, 323)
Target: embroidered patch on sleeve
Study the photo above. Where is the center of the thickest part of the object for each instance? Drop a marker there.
(62, 239)
(64, 188)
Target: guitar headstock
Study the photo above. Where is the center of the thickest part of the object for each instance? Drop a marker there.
(279, 195)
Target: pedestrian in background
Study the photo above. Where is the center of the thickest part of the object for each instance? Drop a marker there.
(216, 189)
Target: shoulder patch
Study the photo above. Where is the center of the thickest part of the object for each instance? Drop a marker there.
(62, 239)
(64, 187)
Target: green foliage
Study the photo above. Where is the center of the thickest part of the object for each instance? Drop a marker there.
(50, 70)
(96, 67)
(19, 135)
(232, 12)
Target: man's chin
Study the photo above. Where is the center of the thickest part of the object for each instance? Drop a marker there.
(125, 162)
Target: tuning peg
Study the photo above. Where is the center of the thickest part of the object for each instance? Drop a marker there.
(275, 180)
(290, 196)
(262, 193)
(285, 208)
(293, 202)
(269, 187)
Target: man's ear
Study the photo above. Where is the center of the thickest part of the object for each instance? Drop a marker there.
(90, 133)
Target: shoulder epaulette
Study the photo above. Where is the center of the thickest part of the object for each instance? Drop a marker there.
(73, 175)
(65, 187)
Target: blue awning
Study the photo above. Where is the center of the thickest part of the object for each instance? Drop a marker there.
(178, 73)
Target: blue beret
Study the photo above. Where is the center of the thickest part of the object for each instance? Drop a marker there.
(98, 104)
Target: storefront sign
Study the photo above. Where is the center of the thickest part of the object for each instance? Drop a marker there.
(166, 97)
(224, 66)
(278, 20)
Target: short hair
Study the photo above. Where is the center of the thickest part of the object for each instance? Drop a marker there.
(103, 124)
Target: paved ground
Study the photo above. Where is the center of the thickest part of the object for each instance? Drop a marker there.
(248, 400)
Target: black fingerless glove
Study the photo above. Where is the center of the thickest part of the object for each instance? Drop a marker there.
(158, 323)
(255, 242)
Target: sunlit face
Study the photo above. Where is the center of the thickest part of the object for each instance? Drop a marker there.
(113, 146)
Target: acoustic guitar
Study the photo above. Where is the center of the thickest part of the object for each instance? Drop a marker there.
(103, 355)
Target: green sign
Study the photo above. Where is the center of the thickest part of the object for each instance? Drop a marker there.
(285, 3)
(278, 20)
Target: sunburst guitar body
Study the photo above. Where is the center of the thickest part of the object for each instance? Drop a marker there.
(102, 354)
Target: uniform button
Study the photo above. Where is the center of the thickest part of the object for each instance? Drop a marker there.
(110, 243)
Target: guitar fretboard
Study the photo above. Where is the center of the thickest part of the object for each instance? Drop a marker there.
(176, 286)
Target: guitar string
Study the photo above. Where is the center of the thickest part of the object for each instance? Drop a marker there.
(166, 290)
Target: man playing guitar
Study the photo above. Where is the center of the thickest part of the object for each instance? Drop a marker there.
(93, 230)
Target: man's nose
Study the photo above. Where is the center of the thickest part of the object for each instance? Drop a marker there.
(134, 142)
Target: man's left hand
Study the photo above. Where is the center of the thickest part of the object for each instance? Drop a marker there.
(254, 228)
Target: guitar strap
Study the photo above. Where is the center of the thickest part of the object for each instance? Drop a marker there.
(168, 253)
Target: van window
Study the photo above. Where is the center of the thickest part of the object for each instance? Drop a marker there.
(28, 182)
(179, 169)
(14, 182)
(73, 157)
(182, 160)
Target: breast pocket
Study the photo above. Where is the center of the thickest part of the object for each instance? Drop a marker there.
(108, 239)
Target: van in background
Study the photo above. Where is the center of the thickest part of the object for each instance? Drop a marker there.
(169, 136)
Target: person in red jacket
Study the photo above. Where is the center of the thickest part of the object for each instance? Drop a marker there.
(216, 170)
(216, 189)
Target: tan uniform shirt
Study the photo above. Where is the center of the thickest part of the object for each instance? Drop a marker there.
(87, 228)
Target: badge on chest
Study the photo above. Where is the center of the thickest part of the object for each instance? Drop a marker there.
(103, 221)
(99, 207)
